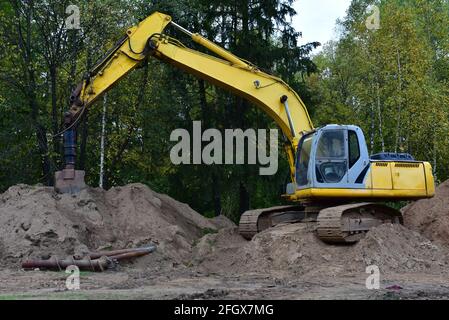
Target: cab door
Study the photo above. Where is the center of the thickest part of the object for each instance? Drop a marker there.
(358, 158)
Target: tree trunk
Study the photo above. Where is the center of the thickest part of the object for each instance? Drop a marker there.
(244, 198)
(216, 194)
(102, 146)
(41, 132)
(399, 109)
(73, 65)
(215, 179)
(84, 121)
(434, 151)
(54, 113)
(379, 111)
(372, 131)
(203, 103)
(132, 128)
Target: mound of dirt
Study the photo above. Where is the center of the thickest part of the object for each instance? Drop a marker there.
(430, 217)
(295, 250)
(394, 248)
(36, 222)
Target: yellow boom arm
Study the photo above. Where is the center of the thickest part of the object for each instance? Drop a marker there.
(228, 71)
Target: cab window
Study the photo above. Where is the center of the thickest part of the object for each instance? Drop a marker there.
(331, 145)
(354, 148)
(331, 158)
(302, 163)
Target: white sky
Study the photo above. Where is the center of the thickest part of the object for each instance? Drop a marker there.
(316, 19)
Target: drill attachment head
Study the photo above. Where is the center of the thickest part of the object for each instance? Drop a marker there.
(69, 180)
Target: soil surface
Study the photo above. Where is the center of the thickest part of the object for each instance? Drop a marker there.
(431, 217)
(200, 258)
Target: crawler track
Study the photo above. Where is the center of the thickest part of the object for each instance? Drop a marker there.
(336, 224)
(255, 221)
(350, 223)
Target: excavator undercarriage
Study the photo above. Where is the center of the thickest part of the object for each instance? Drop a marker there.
(344, 223)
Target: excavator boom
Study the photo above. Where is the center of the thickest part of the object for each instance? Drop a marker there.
(225, 70)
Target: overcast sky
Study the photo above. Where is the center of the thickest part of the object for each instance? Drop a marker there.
(316, 18)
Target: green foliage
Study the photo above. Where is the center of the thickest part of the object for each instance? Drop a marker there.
(146, 106)
(392, 82)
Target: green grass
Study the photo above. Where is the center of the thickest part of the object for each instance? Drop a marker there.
(14, 297)
(64, 295)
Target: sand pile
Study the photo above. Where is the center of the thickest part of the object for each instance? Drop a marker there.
(35, 222)
(285, 250)
(394, 248)
(430, 217)
(295, 250)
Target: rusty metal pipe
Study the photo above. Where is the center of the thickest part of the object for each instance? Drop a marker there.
(146, 250)
(100, 264)
(128, 255)
(96, 261)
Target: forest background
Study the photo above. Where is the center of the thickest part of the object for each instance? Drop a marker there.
(392, 82)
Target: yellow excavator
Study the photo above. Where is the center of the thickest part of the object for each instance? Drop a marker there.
(334, 180)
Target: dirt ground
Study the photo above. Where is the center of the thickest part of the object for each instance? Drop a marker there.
(199, 258)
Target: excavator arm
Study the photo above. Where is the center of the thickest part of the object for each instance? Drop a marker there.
(240, 77)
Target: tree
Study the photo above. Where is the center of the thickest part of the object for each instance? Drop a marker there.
(391, 79)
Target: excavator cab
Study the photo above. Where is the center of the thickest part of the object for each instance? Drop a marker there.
(333, 163)
(332, 157)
